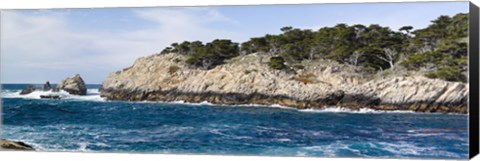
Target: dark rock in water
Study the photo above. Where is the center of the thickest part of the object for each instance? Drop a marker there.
(47, 86)
(50, 97)
(27, 90)
(73, 85)
(15, 145)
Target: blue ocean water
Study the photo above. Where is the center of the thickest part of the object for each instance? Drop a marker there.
(88, 123)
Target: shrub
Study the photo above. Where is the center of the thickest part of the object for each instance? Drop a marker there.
(173, 69)
(277, 63)
(177, 60)
(447, 73)
(250, 71)
(298, 66)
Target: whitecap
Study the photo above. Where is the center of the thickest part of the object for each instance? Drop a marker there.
(348, 110)
(92, 95)
(82, 146)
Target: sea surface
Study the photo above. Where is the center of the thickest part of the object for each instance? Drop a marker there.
(91, 124)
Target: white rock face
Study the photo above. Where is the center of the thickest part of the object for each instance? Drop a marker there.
(248, 79)
(73, 85)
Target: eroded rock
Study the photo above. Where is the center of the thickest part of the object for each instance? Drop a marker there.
(27, 90)
(73, 85)
(248, 80)
(47, 86)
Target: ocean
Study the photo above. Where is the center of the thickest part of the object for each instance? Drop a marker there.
(91, 124)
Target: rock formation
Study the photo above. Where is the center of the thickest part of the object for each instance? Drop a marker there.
(73, 85)
(27, 90)
(47, 86)
(15, 145)
(248, 80)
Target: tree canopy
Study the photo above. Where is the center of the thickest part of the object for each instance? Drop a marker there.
(439, 50)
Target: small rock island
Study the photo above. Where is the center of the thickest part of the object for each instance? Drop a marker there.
(73, 85)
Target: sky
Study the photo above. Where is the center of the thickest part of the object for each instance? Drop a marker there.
(41, 45)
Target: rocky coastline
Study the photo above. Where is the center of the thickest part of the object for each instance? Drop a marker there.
(248, 80)
(15, 145)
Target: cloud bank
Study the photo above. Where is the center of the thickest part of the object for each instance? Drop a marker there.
(43, 45)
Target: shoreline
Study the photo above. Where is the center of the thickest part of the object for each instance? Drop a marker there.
(235, 99)
(219, 99)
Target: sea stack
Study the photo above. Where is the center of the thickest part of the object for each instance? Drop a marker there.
(27, 90)
(47, 86)
(73, 85)
(248, 79)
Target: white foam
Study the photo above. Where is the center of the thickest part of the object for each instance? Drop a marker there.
(83, 146)
(405, 148)
(271, 106)
(334, 109)
(284, 140)
(92, 95)
(348, 110)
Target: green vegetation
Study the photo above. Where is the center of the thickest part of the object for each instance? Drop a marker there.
(205, 56)
(438, 51)
(277, 63)
(250, 71)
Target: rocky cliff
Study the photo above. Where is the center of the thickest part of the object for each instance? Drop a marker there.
(248, 80)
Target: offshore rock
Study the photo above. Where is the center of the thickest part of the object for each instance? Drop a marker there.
(27, 90)
(248, 80)
(47, 86)
(73, 85)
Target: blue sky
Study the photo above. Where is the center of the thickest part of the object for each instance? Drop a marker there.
(41, 45)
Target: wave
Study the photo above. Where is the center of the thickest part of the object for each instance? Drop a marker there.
(92, 95)
(348, 110)
(334, 109)
(399, 149)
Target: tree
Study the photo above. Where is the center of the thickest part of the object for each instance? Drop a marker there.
(354, 58)
(277, 63)
(406, 29)
(389, 56)
(286, 28)
(256, 44)
(214, 53)
(438, 51)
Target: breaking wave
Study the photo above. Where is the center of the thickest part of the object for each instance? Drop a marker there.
(348, 110)
(92, 95)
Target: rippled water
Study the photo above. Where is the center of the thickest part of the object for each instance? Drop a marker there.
(88, 123)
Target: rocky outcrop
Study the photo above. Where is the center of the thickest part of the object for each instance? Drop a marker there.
(73, 85)
(248, 80)
(15, 145)
(27, 90)
(47, 86)
(55, 97)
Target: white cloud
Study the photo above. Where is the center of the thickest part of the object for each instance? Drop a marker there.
(40, 47)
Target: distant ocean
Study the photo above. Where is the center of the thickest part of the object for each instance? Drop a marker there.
(91, 124)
